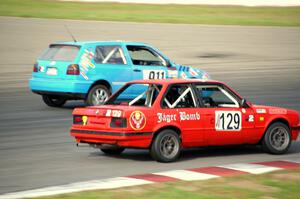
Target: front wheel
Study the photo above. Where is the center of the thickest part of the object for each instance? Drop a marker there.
(54, 101)
(277, 138)
(97, 95)
(166, 146)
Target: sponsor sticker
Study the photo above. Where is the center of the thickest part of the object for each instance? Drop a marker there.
(172, 74)
(193, 72)
(137, 120)
(86, 62)
(183, 116)
(261, 110)
(278, 111)
(183, 75)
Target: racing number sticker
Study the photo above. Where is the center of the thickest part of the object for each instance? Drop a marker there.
(228, 120)
(154, 74)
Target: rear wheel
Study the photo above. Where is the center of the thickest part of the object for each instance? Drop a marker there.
(54, 101)
(97, 95)
(166, 146)
(277, 138)
(113, 151)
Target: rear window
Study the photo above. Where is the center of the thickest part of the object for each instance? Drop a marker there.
(60, 53)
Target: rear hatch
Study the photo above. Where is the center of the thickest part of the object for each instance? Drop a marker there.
(54, 62)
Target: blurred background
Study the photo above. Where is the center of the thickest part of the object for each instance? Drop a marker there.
(253, 46)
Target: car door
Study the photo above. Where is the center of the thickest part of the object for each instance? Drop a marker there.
(225, 121)
(112, 65)
(180, 104)
(147, 63)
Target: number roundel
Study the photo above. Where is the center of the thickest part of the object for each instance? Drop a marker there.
(228, 120)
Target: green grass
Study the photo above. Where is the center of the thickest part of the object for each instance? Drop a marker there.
(188, 14)
(280, 184)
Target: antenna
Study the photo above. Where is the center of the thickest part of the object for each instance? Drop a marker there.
(70, 33)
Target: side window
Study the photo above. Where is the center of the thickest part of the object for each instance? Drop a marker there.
(144, 56)
(109, 55)
(215, 96)
(179, 96)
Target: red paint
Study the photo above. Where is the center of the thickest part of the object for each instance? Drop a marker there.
(196, 132)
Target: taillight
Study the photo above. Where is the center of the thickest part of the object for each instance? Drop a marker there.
(118, 122)
(35, 67)
(73, 69)
(77, 119)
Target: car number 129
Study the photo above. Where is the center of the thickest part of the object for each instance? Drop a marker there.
(228, 120)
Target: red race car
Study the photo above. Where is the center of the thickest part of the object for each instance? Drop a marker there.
(168, 115)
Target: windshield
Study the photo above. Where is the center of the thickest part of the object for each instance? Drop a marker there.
(136, 95)
(60, 53)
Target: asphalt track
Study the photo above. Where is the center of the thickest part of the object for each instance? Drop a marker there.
(261, 63)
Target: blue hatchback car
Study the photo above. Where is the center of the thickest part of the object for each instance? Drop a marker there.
(93, 70)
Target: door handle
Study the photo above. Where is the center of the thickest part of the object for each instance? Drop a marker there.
(136, 70)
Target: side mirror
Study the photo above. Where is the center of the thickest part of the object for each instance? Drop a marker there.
(245, 104)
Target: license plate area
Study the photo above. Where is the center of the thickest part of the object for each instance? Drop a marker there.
(51, 71)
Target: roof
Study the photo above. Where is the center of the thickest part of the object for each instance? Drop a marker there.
(175, 81)
(117, 42)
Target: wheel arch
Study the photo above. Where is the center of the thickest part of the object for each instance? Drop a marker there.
(101, 82)
(274, 120)
(172, 127)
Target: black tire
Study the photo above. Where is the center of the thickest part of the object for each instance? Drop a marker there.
(54, 101)
(102, 92)
(166, 146)
(113, 151)
(277, 139)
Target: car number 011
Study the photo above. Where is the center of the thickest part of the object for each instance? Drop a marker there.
(154, 74)
(228, 120)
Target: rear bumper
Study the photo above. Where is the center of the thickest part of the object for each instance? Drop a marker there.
(121, 139)
(40, 85)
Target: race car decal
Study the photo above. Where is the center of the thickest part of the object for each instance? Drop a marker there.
(84, 120)
(261, 119)
(278, 111)
(251, 118)
(86, 63)
(189, 116)
(172, 74)
(262, 110)
(137, 120)
(193, 72)
(184, 68)
(228, 120)
(166, 117)
(162, 117)
(183, 75)
(154, 74)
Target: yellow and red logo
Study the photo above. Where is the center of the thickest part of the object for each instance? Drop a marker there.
(137, 120)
